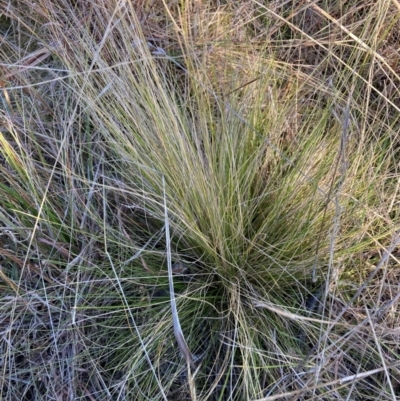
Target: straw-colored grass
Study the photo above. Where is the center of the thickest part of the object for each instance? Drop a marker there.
(199, 200)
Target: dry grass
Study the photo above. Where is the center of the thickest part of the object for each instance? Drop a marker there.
(236, 161)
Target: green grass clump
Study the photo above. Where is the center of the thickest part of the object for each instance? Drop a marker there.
(192, 154)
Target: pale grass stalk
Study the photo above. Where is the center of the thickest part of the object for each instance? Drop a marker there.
(128, 309)
(175, 317)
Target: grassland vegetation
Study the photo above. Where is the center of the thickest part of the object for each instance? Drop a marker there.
(199, 200)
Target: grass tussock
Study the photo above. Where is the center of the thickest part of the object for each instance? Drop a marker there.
(210, 181)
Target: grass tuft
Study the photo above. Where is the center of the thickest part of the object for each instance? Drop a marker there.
(199, 200)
